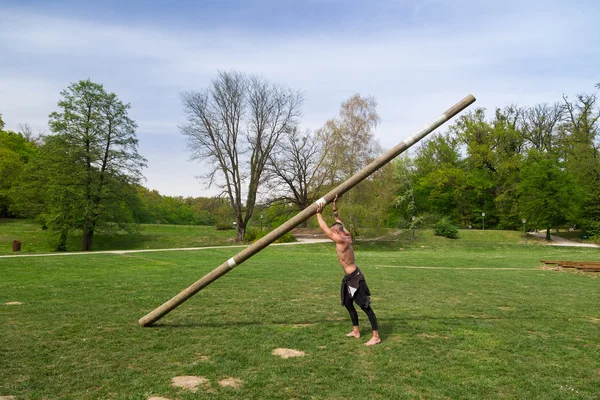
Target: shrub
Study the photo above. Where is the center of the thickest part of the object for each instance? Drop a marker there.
(592, 229)
(287, 238)
(445, 228)
(253, 234)
(224, 227)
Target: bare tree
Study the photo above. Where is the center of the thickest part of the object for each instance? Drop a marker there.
(233, 126)
(540, 123)
(582, 120)
(293, 171)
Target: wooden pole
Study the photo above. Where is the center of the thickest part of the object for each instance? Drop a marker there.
(308, 212)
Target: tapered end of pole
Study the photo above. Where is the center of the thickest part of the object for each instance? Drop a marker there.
(461, 105)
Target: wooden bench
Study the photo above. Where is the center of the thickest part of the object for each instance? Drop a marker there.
(589, 266)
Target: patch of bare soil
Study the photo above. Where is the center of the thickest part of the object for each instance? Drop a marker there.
(427, 335)
(288, 353)
(8, 398)
(190, 382)
(12, 303)
(301, 325)
(158, 398)
(231, 382)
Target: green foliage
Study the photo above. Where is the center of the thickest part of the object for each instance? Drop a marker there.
(445, 228)
(156, 208)
(546, 190)
(253, 234)
(223, 226)
(84, 173)
(15, 152)
(592, 229)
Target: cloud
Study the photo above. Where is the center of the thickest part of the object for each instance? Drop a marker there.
(420, 59)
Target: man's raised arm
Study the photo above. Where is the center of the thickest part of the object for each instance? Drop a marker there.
(336, 215)
(323, 225)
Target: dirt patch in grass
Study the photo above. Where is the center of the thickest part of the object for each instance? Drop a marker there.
(12, 303)
(8, 398)
(301, 325)
(590, 274)
(158, 398)
(231, 382)
(190, 382)
(429, 336)
(288, 353)
(594, 320)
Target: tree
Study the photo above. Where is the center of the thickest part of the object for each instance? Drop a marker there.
(405, 205)
(581, 151)
(92, 161)
(545, 190)
(441, 186)
(539, 125)
(350, 138)
(233, 126)
(493, 155)
(15, 152)
(293, 173)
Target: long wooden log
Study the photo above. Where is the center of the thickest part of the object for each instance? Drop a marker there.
(308, 212)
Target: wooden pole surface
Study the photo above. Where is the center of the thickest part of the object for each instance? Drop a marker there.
(308, 212)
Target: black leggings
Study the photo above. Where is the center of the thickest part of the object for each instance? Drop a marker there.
(349, 303)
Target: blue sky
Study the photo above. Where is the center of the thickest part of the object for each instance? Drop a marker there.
(416, 58)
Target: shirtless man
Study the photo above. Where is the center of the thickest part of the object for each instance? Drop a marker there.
(354, 286)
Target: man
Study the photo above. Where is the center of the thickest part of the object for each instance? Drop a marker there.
(354, 286)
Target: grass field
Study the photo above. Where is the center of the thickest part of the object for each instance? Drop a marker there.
(462, 319)
(36, 240)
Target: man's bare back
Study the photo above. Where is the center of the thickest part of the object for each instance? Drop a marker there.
(345, 253)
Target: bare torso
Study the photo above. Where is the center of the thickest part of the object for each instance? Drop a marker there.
(345, 253)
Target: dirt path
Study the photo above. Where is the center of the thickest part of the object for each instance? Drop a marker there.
(300, 241)
(560, 241)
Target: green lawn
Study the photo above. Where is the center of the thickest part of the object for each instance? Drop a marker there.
(36, 240)
(483, 321)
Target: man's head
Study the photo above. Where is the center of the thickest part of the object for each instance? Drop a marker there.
(338, 228)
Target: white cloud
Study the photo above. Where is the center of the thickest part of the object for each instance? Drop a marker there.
(526, 56)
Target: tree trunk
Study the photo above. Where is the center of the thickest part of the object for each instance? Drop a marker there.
(241, 231)
(548, 234)
(88, 237)
(62, 241)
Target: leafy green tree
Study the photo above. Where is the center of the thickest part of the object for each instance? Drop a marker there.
(87, 167)
(545, 190)
(493, 155)
(15, 152)
(405, 205)
(581, 151)
(441, 183)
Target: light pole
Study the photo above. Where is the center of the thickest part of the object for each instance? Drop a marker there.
(413, 227)
(524, 231)
(483, 221)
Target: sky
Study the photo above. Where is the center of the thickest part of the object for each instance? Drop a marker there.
(417, 58)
